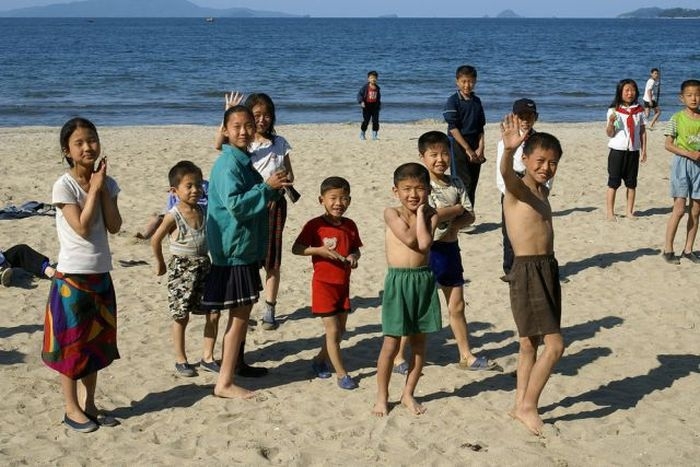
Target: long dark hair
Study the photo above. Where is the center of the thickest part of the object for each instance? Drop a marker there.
(260, 98)
(618, 92)
(68, 129)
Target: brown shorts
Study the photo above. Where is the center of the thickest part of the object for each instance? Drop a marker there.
(535, 295)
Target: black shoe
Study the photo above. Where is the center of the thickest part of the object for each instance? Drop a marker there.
(87, 427)
(670, 258)
(248, 371)
(692, 257)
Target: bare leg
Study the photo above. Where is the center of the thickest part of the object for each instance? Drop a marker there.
(87, 396)
(211, 331)
(414, 372)
(70, 396)
(657, 114)
(401, 354)
(530, 385)
(272, 284)
(454, 297)
(631, 194)
(335, 327)
(692, 227)
(610, 203)
(673, 221)
(236, 329)
(178, 335)
(390, 347)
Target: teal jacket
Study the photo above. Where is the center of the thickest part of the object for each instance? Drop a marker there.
(237, 217)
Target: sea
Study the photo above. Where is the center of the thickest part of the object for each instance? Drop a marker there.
(149, 71)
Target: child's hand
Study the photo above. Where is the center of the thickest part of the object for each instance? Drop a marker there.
(97, 180)
(328, 253)
(232, 99)
(510, 132)
(278, 180)
(159, 268)
(351, 260)
(480, 157)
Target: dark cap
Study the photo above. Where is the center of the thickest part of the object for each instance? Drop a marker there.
(524, 105)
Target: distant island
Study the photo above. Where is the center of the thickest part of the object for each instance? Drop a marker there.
(136, 9)
(662, 13)
(508, 14)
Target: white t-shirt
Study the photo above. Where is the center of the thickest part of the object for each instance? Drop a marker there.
(621, 140)
(446, 195)
(80, 255)
(267, 156)
(651, 90)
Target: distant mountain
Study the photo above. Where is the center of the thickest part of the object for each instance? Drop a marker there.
(508, 14)
(135, 9)
(662, 13)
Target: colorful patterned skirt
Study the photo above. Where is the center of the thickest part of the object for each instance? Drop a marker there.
(80, 326)
(277, 215)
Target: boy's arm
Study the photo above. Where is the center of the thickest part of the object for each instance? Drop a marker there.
(353, 258)
(512, 139)
(459, 139)
(426, 222)
(670, 146)
(480, 148)
(164, 229)
(400, 228)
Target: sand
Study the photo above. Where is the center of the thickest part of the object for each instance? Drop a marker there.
(625, 392)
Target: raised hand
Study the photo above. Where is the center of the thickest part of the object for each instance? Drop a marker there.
(510, 132)
(232, 99)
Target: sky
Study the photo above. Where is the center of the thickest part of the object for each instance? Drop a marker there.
(423, 8)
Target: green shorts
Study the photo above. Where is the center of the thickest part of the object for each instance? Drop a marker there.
(410, 304)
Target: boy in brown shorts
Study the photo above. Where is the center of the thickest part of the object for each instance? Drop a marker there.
(535, 294)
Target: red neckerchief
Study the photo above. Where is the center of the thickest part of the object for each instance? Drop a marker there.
(630, 112)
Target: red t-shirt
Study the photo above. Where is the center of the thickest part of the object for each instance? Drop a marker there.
(343, 238)
(371, 95)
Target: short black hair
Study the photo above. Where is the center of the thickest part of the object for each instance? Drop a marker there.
(690, 83)
(334, 183)
(431, 138)
(654, 69)
(465, 70)
(411, 170)
(544, 141)
(182, 168)
(372, 73)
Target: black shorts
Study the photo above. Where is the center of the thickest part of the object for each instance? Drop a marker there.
(650, 105)
(623, 165)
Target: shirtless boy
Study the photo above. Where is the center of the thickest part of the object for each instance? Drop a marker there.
(535, 294)
(410, 304)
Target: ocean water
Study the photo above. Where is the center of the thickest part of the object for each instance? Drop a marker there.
(175, 71)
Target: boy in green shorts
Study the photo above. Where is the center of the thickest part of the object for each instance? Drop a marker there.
(410, 304)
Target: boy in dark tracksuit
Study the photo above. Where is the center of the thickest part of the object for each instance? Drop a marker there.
(369, 97)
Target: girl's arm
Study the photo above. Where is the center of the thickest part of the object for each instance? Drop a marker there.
(244, 202)
(166, 228)
(610, 126)
(79, 219)
(643, 136)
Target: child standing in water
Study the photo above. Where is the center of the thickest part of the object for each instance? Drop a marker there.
(237, 226)
(628, 139)
(184, 225)
(80, 330)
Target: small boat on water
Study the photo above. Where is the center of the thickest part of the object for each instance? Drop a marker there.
(209, 19)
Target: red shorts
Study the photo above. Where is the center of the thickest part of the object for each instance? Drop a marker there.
(329, 298)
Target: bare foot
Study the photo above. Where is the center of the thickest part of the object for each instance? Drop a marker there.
(530, 418)
(611, 218)
(380, 409)
(412, 404)
(233, 392)
(630, 215)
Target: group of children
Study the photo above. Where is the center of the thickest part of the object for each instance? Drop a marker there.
(216, 255)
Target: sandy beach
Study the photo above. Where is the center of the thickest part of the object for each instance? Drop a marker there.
(623, 394)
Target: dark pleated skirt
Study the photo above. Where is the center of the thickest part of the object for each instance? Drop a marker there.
(229, 287)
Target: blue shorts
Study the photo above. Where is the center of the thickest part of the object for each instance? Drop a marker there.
(446, 264)
(685, 178)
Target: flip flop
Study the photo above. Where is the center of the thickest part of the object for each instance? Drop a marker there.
(480, 364)
(401, 368)
(127, 263)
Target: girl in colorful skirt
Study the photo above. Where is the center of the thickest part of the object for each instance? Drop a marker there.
(80, 331)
